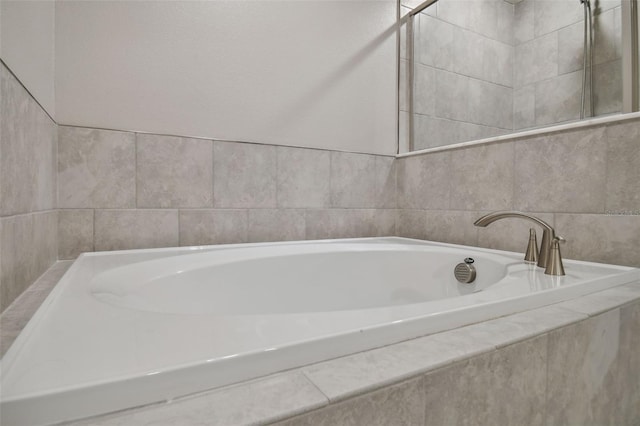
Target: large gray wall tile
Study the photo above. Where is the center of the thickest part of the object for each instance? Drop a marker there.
(523, 21)
(482, 177)
(96, 168)
(450, 226)
(536, 60)
(497, 62)
(563, 172)
(571, 48)
(303, 178)
(203, 227)
(524, 107)
(244, 175)
(623, 167)
(551, 15)
(607, 84)
(629, 360)
(29, 245)
(75, 229)
(134, 229)
(423, 181)
(452, 95)
(558, 99)
(490, 104)
(349, 223)
(585, 359)
(424, 98)
(353, 180)
(411, 224)
(28, 151)
(276, 225)
(174, 172)
(601, 238)
(386, 182)
(504, 387)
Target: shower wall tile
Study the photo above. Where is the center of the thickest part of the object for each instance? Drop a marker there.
(174, 172)
(303, 177)
(423, 181)
(524, 107)
(607, 36)
(586, 358)
(475, 391)
(276, 225)
(204, 227)
(601, 238)
(353, 180)
(623, 168)
(564, 172)
(431, 132)
(523, 21)
(452, 95)
(536, 60)
(500, 98)
(29, 245)
(571, 48)
(425, 90)
(75, 228)
(96, 168)
(551, 15)
(558, 99)
(28, 151)
(630, 380)
(497, 62)
(510, 234)
(135, 229)
(244, 175)
(477, 183)
(607, 83)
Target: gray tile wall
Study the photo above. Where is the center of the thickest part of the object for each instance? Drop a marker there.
(463, 71)
(549, 57)
(585, 181)
(121, 190)
(582, 373)
(28, 219)
(485, 68)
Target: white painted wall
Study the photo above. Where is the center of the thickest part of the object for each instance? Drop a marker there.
(304, 73)
(27, 46)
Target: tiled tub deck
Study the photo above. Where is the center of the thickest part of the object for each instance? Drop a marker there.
(575, 362)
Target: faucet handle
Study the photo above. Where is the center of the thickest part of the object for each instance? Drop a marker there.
(531, 254)
(554, 264)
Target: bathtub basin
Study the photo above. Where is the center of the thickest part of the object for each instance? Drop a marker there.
(128, 328)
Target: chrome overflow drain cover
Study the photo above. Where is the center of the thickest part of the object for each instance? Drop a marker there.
(465, 272)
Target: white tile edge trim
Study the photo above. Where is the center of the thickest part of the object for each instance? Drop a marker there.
(528, 133)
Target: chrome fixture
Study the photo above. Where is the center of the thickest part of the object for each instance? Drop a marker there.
(465, 272)
(587, 50)
(531, 254)
(549, 256)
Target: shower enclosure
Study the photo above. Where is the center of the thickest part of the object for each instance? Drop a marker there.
(472, 69)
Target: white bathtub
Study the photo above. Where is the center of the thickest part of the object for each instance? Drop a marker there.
(128, 328)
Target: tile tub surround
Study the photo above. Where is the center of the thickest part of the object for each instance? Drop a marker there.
(570, 363)
(28, 219)
(584, 181)
(122, 190)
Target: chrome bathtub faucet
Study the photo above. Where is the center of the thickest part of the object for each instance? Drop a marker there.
(549, 256)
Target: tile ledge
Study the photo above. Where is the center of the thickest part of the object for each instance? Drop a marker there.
(528, 133)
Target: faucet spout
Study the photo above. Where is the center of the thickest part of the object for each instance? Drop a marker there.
(548, 236)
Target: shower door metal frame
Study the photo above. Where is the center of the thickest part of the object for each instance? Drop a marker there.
(630, 56)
